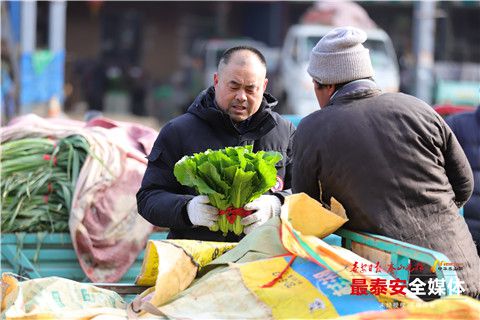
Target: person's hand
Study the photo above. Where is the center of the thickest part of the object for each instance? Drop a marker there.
(265, 207)
(201, 213)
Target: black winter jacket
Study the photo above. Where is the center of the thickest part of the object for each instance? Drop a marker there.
(396, 167)
(466, 127)
(162, 200)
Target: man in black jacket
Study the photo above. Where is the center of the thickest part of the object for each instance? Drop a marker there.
(235, 111)
(466, 127)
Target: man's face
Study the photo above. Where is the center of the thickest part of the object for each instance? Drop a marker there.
(240, 84)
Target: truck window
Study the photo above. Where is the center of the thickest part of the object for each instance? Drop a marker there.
(378, 53)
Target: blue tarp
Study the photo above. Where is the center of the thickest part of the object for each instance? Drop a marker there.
(42, 77)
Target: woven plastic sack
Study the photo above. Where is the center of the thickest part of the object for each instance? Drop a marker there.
(170, 266)
(58, 298)
(306, 282)
(309, 217)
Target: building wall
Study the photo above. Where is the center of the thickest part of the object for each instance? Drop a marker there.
(169, 28)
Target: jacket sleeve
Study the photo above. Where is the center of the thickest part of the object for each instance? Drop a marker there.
(457, 168)
(306, 165)
(287, 181)
(161, 199)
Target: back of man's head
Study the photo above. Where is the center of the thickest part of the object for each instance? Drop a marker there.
(340, 57)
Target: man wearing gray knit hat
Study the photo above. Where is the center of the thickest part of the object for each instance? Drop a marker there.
(389, 158)
(340, 57)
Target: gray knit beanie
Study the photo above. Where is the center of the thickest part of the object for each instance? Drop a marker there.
(340, 57)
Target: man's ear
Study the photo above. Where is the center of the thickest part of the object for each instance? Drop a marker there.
(215, 79)
(331, 89)
(265, 85)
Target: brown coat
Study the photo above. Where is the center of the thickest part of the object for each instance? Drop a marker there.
(394, 165)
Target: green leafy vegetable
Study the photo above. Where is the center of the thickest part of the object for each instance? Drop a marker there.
(38, 180)
(230, 177)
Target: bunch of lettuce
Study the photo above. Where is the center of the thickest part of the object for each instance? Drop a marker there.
(230, 177)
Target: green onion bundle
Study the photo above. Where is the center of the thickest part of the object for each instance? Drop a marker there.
(38, 181)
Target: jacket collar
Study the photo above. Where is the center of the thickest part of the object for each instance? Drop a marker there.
(356, 89)
(205, 107)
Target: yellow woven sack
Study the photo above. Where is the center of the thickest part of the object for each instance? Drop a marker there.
(170, 266)
(309, 217)
(58, 298)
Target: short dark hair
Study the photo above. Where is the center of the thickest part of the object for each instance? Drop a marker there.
(319, 85)
(227, 54)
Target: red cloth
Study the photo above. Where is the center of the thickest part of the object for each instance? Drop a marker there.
(232, 213)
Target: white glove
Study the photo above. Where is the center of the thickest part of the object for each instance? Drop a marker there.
(266, 207)
(200, 213)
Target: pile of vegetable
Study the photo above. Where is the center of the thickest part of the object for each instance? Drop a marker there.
(231, 178)
(38, 181)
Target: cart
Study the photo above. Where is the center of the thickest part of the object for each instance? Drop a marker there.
(44, 255)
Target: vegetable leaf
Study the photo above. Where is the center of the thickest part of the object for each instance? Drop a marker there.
(230, 177)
